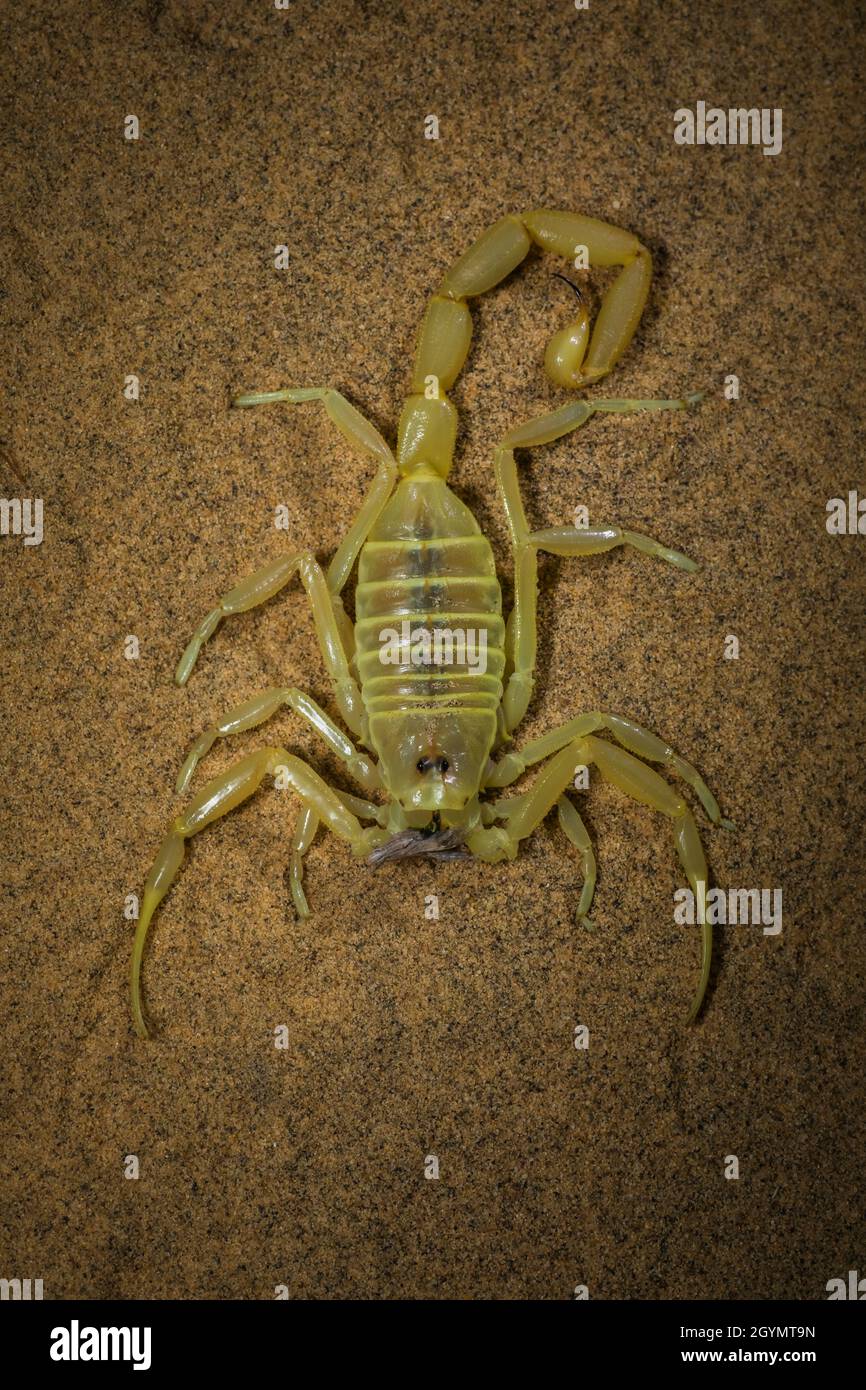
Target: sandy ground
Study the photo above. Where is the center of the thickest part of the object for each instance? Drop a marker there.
(411, 1037)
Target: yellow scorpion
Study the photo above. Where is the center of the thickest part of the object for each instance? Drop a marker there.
(430, 679)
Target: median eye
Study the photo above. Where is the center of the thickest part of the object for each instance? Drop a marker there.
(432, 764)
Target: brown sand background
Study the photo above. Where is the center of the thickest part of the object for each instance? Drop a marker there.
(411, 1037)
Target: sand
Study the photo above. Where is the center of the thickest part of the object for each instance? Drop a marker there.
(411, 1036)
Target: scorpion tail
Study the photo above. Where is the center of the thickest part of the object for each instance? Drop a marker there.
(165, 866)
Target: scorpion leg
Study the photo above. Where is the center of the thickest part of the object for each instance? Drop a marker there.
(638, 781)
(263, 585)
(573, 540)
(577, 833)
(264, 706)
(577, 540)
(363, 809)
(643, 784)
(305, 831)
(636, 739)
(332, 624)
(366, 440)
(363, 437)
(521, 629)
(216, 799)
(565, 540)
(648, 746)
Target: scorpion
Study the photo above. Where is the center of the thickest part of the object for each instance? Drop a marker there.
(431, 723)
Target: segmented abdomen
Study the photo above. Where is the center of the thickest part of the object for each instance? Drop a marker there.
(427, 565)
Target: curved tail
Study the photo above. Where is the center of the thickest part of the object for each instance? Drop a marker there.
(576, 356)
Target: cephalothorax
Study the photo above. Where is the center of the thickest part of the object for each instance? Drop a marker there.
(429, 678)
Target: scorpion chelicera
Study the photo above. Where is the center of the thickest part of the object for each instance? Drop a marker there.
(429, 678)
